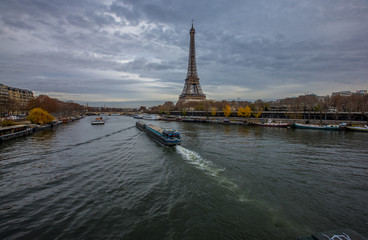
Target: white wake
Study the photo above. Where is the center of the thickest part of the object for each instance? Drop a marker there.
(207, 167)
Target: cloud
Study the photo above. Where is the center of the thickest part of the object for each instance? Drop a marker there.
(139, 49)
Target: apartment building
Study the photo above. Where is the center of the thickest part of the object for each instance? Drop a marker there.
(14, 100)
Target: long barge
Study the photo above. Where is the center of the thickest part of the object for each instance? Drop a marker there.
(12, 132)
(165, 136)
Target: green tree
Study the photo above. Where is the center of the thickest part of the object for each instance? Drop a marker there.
(227, 111)
(40, 116)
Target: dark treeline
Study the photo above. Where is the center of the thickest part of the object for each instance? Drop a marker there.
(338, 103)
(311, 103)
(56, 107)
(306, 103)
(67, 109)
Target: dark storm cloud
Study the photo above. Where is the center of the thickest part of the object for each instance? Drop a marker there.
(108, 47)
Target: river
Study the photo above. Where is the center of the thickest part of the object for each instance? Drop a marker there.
(79, 181)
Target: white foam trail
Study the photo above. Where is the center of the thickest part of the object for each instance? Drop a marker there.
(200, 163)
(207, 167)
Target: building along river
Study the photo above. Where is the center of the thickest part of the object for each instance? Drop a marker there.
(80, 181)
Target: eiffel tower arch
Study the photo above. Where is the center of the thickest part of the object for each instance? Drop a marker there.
(192, 90)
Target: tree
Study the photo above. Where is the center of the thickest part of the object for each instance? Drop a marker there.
(213, 111)
(240, 112)
(247, 112)
(199, 107)
(244, 112)
(12, 105)
(168, 107)
(257, 114)
(227, 111)
(40, 116)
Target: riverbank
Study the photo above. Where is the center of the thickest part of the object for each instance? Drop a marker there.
(251, 121)
(25, 128)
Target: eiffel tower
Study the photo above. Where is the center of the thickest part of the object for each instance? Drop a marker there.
(192, 89)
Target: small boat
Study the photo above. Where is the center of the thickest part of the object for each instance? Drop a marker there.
(165, 136)
(7, 133)
(98, 121)
(271, 123)
(361, 128)
(66, 120)
(138, 116)
(56, 123)
(141, 125)
(332, 127)
(150, 117)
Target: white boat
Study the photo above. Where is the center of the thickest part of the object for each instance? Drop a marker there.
(98, 121)
(362, 128)
(271, 123)
(150, 117)
(138, 116)
(317, 127)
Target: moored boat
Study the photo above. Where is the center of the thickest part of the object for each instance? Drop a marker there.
(271, 123)
(98, 121)
(165, 136)
(151, 117)
(138, 116)
(332, 127)
(7, 133)
(362, 128)
(66, 120)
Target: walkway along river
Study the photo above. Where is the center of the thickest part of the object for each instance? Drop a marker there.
(224, 182)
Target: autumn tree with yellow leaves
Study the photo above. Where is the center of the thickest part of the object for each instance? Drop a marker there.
(240, 112)
(40, 116)
(244, 112)
(227, 111)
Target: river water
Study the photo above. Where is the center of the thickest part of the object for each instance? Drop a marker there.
(80, 181)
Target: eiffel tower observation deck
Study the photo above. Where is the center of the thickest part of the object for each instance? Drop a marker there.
(192, 89)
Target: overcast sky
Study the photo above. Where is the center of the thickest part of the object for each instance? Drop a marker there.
(137, 50)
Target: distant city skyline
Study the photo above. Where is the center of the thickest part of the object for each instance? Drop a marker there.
(97, 51)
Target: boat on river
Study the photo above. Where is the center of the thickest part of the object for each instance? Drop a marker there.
(98, 121)
(271, 123)
(165, 136)
(333, 127)
(138, 116)
(141, 125)
(151, 117)
(7, 133)
(362, 128)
